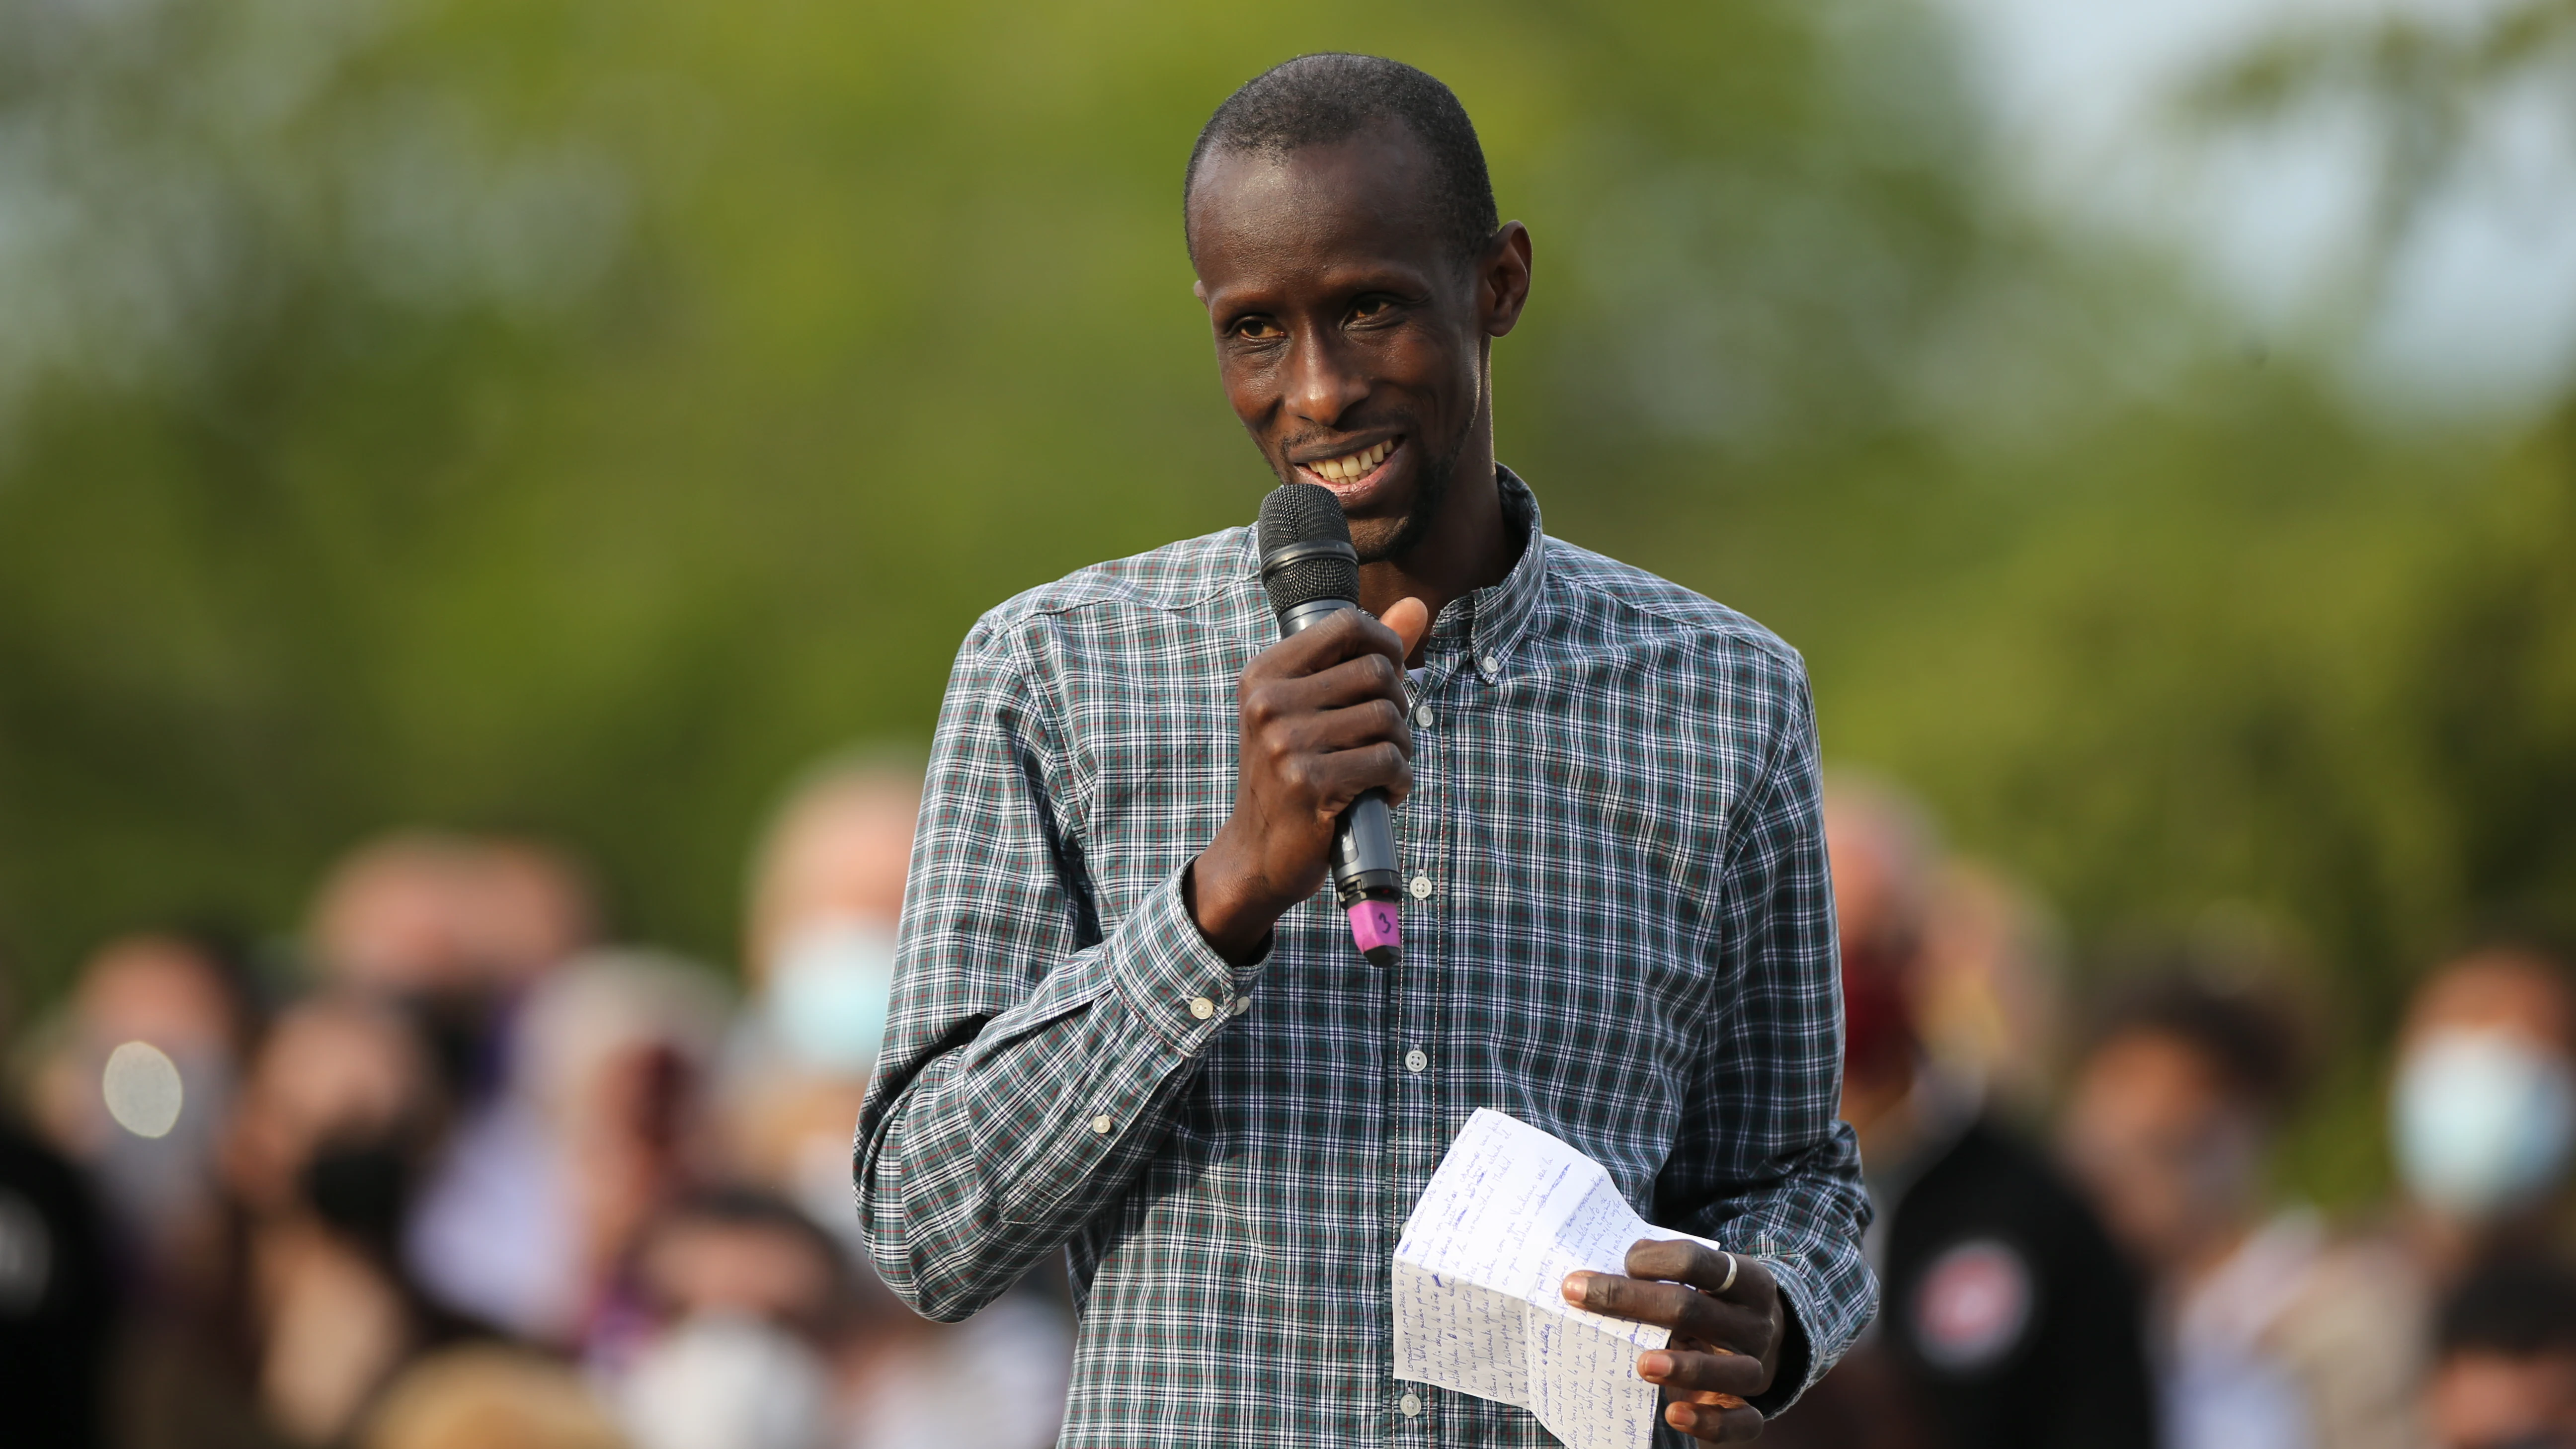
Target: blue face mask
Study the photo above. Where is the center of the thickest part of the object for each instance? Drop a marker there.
(2483, 1121)
(828, 993)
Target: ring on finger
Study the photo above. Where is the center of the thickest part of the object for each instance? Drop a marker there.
(1731, 1267)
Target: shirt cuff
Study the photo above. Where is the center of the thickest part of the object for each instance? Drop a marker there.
(1797, 1368)
(1172, 979)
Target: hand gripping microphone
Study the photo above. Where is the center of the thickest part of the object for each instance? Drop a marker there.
(1312, 572)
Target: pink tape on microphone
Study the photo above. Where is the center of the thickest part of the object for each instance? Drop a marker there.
(1378, 929)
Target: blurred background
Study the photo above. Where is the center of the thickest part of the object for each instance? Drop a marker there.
(489, 493)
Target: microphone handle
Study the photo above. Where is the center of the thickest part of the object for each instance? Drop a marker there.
(1366, 878)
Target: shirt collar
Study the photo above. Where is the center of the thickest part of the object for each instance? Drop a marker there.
(1489, 622)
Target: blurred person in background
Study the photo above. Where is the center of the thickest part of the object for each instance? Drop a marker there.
(616, 1053)
(459, 929)
(826, 896)
(337, 1119)
(134, 1079)
(1986, 988)
(2008, 1318)
(2504, 1376)
(487, 1396)
(2269, 1334)
(2483, 1107)
(57, 1291)
(748, 1306)
(154, 1020)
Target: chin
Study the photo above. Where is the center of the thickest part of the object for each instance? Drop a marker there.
(1376, 538)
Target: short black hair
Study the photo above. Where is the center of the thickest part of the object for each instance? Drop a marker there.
(2518, 1307)
(1316, 100)
(2250, 1037)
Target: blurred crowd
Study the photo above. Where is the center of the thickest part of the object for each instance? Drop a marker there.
(2079, 1239)
(458, 1172)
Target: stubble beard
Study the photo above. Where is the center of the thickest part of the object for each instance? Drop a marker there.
(1416, 525)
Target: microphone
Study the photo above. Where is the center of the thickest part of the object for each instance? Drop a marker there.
(1312, 573)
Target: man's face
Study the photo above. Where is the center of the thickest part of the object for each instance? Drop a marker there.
(1350, 336)
(2484, 1399)
(2171, 1161)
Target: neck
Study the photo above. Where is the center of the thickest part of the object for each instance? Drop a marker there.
(1468, 546)
(2207, 1252)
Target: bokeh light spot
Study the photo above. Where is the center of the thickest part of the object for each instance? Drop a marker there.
(143, 1090)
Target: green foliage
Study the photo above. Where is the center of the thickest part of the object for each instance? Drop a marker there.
(576, 416)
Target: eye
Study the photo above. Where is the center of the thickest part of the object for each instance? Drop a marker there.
(1372, 309)
(1258, 329)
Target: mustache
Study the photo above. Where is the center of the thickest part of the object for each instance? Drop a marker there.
(1313, 438)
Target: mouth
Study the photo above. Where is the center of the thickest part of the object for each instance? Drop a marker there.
(1352, 471)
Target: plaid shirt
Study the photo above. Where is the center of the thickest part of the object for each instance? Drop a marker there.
(1618, 927)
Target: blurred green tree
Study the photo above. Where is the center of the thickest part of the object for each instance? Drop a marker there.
(576, 416)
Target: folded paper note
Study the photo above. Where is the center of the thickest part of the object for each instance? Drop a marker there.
(1479, 1285)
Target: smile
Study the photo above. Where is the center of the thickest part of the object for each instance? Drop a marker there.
(1352, 467)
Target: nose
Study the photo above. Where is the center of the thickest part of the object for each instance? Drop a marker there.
(1322, 385)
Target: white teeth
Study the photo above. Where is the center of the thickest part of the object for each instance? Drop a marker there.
(1352, 465)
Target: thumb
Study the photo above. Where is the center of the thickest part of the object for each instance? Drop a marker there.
(1410, 619)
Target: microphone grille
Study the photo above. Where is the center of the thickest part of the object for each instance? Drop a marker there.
(1296, 513)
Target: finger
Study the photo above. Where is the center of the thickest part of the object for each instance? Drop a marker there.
(1377, 721)
(1713, 1424)
(1410, 619)
(1681, 1260)
(1676, 1306)
(1338, 778)
(1687, 1372)
(1342, 634)
(1369, 676)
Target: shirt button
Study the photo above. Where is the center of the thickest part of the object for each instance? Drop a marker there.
(1410, 1405)
(1243, 1003)
(1416, 1059)
(1422, 887)
(1102, 1124)
(1422, 715)
(1493, 664)
(1202, 1008)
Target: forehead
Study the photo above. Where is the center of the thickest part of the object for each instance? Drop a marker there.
(1363, 200)
(2146, 1072)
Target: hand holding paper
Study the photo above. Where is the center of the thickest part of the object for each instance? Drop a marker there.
(1725, 1341)
(1513, 1282)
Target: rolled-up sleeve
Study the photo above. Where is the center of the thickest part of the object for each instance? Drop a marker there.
(1032, 1059)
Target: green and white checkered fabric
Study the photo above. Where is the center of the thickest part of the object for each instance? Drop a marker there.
(1619, 928)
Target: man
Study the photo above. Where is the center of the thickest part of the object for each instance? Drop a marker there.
(2483, 1109)
(2505, 1373)
(2011, 1321)
(1125, 1020)
(2271, 1331)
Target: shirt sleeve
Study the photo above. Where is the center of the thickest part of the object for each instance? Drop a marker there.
(1033, 1059)
(1766, 1167)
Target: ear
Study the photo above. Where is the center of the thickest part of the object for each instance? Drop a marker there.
(1503, 279)
(1199, 290)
